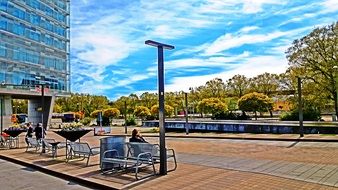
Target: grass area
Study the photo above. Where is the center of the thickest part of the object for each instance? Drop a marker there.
(328, 135)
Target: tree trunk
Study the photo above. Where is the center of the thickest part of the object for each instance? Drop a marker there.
(271, 114)
(335, 103)
(255, 115)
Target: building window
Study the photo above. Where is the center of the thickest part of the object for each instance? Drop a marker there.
(3, 5)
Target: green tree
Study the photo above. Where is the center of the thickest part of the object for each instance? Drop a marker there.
(255, 102)
(148, 99)
(265, 83)
(142, 112)
(316, 54)
(215, 88)
(238, 85)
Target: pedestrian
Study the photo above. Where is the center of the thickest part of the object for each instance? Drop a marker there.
(38, 131)
(136, 137)
(29, 133)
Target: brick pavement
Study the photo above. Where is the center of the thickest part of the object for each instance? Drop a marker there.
(200, 176)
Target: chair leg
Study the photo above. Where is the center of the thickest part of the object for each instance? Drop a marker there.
(88, 160)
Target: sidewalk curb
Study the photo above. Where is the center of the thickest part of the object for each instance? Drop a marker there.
(239, 138)
(63, 176)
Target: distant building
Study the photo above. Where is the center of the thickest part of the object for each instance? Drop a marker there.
(34, 50)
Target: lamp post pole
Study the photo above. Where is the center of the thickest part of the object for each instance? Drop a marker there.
(300, 107)
(335, 70)
(42, 114)
(163, 153)
(125, 117)
(2, 114)
(186, 114)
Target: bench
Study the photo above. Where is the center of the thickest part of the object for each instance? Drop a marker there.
(33, 143)
(51, 146)
(4, 142)
(140, 156)
(78, 149)
(155, 152)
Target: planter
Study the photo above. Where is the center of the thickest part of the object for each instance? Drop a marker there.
(73, 135)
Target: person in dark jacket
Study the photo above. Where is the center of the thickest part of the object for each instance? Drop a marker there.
(136, 137)
(30, 131)
(38, 131)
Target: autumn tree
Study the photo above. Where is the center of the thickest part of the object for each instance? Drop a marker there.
(168, 110)
(111, 113)
(142, 112)
(95, 113)
(255, 102)
(211, 105)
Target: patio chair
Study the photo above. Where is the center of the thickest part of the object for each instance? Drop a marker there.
(51, 146)
(140, 155)
(4, 142)
(83, 150)
(134, 149)
(33, 143)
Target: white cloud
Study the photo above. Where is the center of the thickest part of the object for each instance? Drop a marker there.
(109, 35)
(330, 5)
(214, 61)
(248, 29)
(249, 67)
(229, 41)
(255, 6)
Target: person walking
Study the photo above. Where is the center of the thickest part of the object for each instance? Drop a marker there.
(29, 133)
(38, 132)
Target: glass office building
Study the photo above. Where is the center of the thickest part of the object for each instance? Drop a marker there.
(34, 43)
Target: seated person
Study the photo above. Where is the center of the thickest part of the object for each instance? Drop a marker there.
(136, 137)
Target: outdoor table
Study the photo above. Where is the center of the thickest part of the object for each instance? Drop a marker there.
(13, 136)
(72, 136)
(54, 148)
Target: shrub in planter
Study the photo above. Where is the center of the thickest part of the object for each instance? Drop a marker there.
(130, 121)
(309, 114)
(226, 115)
(86, 120)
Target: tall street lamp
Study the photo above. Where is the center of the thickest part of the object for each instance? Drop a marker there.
(300, 107)
(125, 117)
(2, 113)
(163, 153)
(335, 69)
(186, 114)
(42, 84)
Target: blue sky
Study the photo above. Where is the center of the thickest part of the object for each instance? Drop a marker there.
(212, 38)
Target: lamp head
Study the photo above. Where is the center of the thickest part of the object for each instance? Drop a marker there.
(158, 44)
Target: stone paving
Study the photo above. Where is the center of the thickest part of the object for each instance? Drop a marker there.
(214, 164)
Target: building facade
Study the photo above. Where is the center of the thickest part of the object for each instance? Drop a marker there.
(34, 50)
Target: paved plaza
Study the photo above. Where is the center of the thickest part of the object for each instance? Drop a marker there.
(13, 176)
(212, 163)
